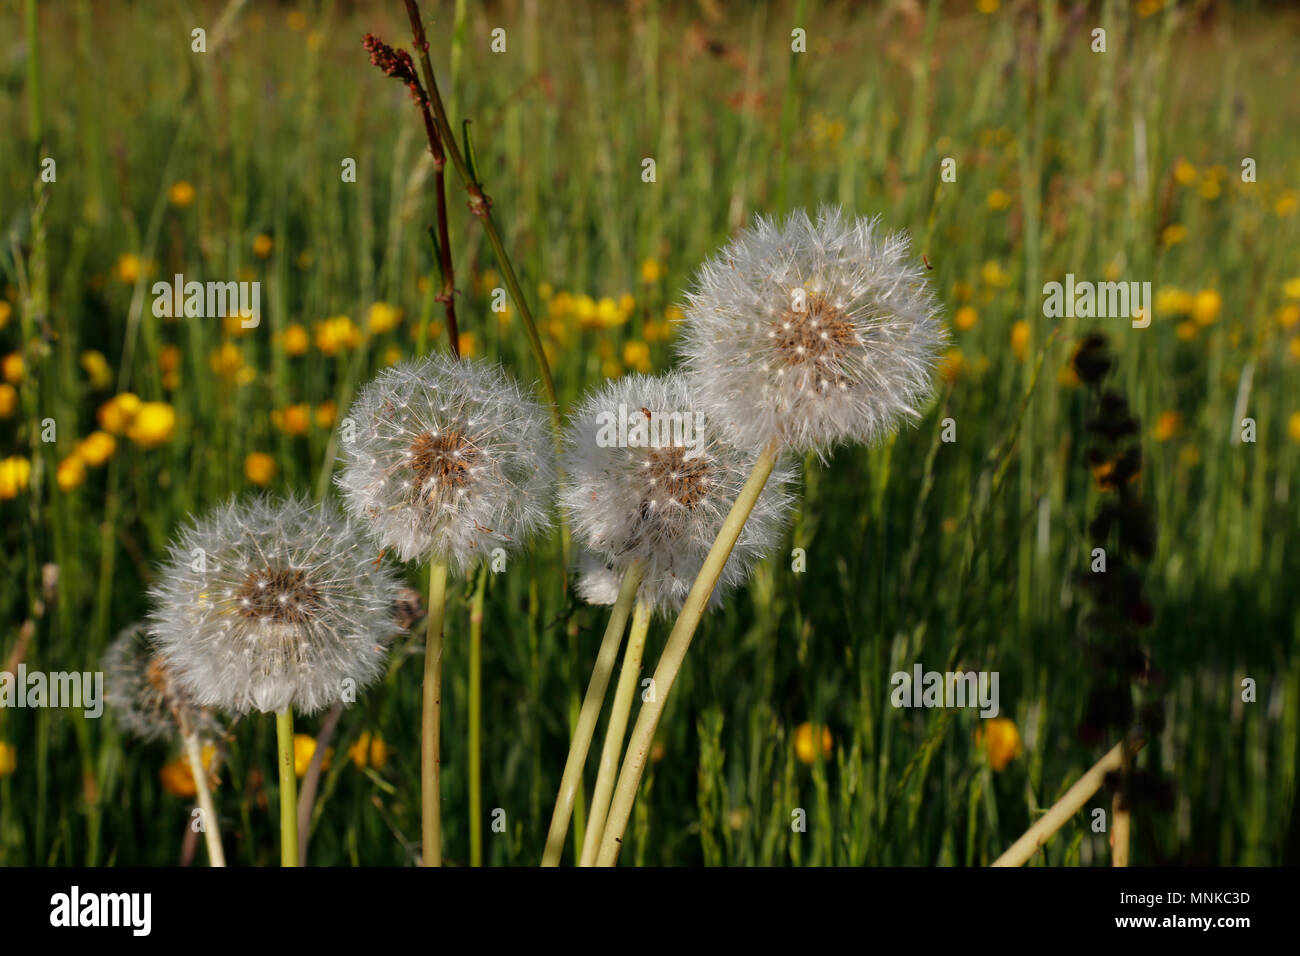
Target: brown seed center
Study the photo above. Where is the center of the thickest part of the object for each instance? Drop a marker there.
(283, 595)
(156, 675)
(442, 462)
(820, 335)
(684, 480)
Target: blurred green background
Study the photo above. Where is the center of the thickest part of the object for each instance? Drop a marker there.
(226, 165)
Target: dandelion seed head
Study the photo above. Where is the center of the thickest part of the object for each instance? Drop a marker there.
(658, 491)
(145, 697)
(265, 604)
(449, 458)
(811, 332)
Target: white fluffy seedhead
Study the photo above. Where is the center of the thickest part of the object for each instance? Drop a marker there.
(144, 695)
(648, 479)
(811, 333)
(448, 458)
(266, 604)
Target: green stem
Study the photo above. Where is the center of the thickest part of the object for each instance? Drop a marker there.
(476, 720)
(679, 641)
(430, 767)
(586, 724)
(33, 77)
(614, 733)
(288, 789)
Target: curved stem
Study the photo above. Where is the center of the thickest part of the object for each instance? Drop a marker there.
(288, 789)
(587, 716)
(476, 720)
(679, 641)
(615, 732)
(208, 812)
(430, 767)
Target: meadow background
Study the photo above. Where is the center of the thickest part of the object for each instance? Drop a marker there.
(226, 165)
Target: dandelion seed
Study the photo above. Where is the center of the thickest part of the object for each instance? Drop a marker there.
(268, 604)
(660, 506)
(811, 334)
(450, 460)
(148, 701)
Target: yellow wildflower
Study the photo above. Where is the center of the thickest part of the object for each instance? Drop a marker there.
(637, 355)
(8, 759)
(71, 473)
(369, 750)
(1166, 426)
(262, 246)
(127, 267)
(1001, 741)
(226, 360)
(96, 448)
(651, 271)
(324, 414)
(8, 400)
(15, 473)
(96, 369)
(154, 424)
(259, 468)
(1173, 234)
(1020, 339)
(382, 317)
(965, 318)
(304, 748)
(1206, 306)
(296, 340)
(116, 414)
(13, 368)
(180, 194)
(805, 748)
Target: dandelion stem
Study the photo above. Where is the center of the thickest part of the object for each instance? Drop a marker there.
(615, 732)
(430, 766)
(288, 789)
(679, 641)
(207, 812)
(590, 712)
(1037, 835)
(476, 720)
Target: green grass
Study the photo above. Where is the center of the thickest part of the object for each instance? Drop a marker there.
(918, 550)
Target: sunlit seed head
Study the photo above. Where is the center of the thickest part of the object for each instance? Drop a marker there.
(266, 604)
(659, 506)
(449, 459)
(811, 334)
(143, 694)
